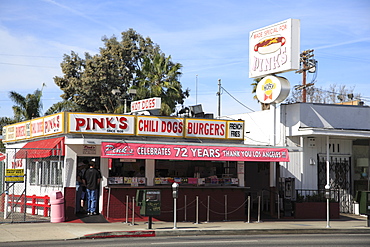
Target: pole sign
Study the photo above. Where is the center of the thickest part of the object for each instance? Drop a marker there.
(272, 89)
(274, 49)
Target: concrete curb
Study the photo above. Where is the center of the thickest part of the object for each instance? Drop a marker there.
(120, 234)
(185, 232)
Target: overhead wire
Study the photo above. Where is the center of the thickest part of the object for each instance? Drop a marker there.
(327, 55)
(28, 65)
(15, 55)
(236, 99)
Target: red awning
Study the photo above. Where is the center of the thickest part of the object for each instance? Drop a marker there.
(2, 156)
(42, 149)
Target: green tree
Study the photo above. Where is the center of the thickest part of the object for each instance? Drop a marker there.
(27, 107)
(88, 82)
(160, 78)
(3, 122)
(62, 106)
(334, 95)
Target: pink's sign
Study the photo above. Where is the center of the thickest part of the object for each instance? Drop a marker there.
(190, 152)
(274, 49)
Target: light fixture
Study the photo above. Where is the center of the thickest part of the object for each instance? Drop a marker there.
(312, 161)
(116, 91)
(362, 162)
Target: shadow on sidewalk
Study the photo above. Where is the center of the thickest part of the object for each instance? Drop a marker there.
(84, 218)
(347, 217)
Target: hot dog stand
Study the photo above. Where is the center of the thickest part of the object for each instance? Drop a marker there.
(206, 157)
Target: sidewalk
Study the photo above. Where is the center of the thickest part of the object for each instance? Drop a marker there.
(348, 224)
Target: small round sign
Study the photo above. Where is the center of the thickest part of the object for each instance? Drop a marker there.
(272, 89)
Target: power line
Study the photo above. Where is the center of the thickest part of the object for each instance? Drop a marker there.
(27, 65)
(15, 55)
(324, 55)
(236, 99)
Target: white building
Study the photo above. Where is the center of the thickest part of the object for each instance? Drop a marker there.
(198, 153)
(313, 132)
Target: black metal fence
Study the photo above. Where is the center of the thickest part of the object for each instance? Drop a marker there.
(316, 195)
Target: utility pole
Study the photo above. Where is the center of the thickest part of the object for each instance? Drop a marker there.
(219, 98)
(196, 89)
(307, 63)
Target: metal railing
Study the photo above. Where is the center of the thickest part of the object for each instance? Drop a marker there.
(304, 195)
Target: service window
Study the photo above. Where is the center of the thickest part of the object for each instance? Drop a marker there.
(128, 172)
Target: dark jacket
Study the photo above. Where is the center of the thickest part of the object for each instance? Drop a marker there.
(92, 178)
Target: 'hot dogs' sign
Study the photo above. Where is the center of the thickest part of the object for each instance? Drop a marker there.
(186, 152)
(146, 104)
(274, 49)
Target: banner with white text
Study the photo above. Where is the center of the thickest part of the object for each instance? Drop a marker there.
(190, 152)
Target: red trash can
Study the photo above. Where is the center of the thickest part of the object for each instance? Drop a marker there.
(56, 207)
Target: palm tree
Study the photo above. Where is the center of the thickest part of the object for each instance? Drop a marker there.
(159, 77)
(264, 106)
(27, 107)
(3, 122)
(64, 105)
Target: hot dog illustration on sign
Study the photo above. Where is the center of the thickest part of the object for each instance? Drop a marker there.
(269, 45)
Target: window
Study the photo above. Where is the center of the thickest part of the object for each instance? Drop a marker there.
(45, 172)
(32, 172)
(38, 173)
(35, 172)
(55, 173)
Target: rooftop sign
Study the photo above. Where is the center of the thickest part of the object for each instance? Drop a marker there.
(146, 104)
(38, 127)
(127, 125)
(108, 124)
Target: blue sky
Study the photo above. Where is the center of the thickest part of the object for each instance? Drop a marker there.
(208, 37)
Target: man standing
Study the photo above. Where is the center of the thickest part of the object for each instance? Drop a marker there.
(81, 187)
(92, 179)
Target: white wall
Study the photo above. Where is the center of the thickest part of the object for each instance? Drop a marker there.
(325, 116)
(258, 127)
(70, 167)
(293, 120)
(303, 165)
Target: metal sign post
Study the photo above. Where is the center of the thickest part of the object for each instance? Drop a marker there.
(175, 187)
